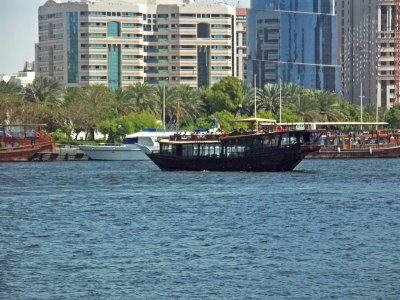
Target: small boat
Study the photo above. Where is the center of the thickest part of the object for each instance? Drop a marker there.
(130, 149)
(265, 147)
(357, 144)
(20, 142)
(353, 140)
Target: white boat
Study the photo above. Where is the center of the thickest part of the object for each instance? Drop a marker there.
(129, 150)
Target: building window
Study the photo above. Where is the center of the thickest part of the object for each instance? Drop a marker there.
(72, 47)
(113, 29)
(203, 30)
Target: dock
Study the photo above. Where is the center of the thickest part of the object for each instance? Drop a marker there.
(61, 154)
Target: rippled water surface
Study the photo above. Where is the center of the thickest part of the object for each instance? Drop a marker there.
(125, 230)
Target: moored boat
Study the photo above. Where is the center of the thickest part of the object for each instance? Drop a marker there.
(20, 142)
(129, 150)
(358, 144)
(266, 147)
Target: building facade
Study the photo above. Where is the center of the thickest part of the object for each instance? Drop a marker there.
(366, 50)
(119, 42)
(293, 41)
(356, 48)
(385, 95)
(241, 43)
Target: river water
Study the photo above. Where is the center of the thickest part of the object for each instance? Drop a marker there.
(126, 230)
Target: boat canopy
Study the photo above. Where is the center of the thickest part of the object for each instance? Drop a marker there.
(323, 125)
(256, 120)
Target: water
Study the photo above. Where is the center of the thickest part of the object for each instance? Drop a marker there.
(125, 230)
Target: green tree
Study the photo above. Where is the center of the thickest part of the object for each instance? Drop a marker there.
(225, 94)
(44, 89)
(349, 111)
(224, 118)
(10, 88)
(328, 106)
(306, 107)
(141, 97)
(188, 104)
(119, 127)
(268, 98)
(393, 117)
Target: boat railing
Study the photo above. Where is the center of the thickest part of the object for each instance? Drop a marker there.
(358, 146)
(194, 137)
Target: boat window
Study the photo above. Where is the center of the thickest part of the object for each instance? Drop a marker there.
(30, 132)
(187, 150)
(204, 150)
(267, 141)
(146, 141)
(293, 139)
(285, 139)
(132, 140)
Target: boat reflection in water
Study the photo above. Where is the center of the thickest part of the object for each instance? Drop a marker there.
(129, 150)
(20, 142)
(267, 147)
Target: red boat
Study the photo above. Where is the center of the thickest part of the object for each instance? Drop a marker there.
(20, 142)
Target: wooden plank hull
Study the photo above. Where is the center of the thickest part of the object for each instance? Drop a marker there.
(391, 152)
(24, 153)
(275, 161)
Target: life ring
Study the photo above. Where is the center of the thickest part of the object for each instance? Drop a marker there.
(278, 128)
(37, 134)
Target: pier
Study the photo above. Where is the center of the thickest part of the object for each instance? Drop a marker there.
(61, 154)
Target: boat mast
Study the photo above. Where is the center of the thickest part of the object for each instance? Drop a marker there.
(255, 95)
(361, 102)
(280, 100)
(177, 119)
(164, 107)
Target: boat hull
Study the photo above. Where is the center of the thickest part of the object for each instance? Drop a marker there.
(274, 161)
(117, 153)
(392, 152)
(24, 153)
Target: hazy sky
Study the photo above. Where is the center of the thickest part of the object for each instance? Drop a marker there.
(19, 31)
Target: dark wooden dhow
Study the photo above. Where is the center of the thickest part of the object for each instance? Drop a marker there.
(240, 151)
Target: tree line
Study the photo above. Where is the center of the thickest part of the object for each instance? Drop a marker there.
(117, 112)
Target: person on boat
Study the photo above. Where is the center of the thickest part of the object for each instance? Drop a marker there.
(235, 152)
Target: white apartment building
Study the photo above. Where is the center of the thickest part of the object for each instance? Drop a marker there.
(119, 42)
(241, 43)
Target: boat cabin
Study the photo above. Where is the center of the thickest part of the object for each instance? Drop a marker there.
(239, 145)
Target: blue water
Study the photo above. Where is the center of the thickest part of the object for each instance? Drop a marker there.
(125, 230)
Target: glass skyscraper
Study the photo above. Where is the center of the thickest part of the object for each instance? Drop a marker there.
(293, 41)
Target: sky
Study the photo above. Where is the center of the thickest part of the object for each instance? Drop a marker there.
(19, 31)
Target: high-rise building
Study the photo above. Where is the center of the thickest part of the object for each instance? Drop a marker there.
(293, 41)
(241, 43)
(366, 47)
(119, 42)
(385, 88)
(356, 48)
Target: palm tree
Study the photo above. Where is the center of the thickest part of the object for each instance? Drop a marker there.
(160, 93)
(186, 105)
(248, 98)
(44, 89)
(268, 98)
(120, 97)
(290, 93)
(141, 97)
(328, 105)
(10, 88)
(306, 107)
